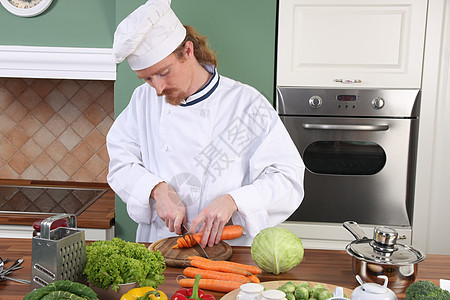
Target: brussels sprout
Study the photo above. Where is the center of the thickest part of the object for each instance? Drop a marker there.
(325, 294)
(301, 293)
(290, 296)
(318, 286)
(288, 287)
(305, 285)
(317, 291)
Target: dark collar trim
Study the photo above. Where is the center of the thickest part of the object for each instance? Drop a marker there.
(205, 95)
(207, 84)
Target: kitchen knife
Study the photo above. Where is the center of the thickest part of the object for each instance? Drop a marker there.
(196, 246)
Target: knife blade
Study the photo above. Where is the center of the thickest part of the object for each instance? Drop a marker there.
(196, 246)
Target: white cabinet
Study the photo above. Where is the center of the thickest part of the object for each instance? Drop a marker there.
(370, 43)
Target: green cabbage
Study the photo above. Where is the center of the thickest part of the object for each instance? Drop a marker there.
(277, 250)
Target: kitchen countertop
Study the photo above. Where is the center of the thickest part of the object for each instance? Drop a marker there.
(328, 266)
(99, 215)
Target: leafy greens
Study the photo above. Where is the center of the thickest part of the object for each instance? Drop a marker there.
(109, 263)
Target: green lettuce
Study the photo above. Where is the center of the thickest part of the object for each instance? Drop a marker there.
(114, 262)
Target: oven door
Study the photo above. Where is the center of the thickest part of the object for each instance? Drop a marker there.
(356, 169)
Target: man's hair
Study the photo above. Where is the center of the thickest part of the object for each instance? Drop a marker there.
(202, 52)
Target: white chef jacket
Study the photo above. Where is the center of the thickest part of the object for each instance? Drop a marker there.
(225, 138)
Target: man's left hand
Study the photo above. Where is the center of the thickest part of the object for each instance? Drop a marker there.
(213, 218)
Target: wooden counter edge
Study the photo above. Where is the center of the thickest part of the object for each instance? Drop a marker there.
(99, 215)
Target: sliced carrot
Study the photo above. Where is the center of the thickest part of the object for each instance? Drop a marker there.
(181, 243)
(198, 237)
(190, 240)
(185, 242)
(229, 232)
(252, 269)
(211, 274)
(216, 285)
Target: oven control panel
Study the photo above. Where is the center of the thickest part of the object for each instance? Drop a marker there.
(340, 102)
(316, 101)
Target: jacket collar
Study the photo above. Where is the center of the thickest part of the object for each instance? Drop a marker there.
(206, 90)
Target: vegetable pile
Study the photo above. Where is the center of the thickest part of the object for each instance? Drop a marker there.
(424, 289)
(304, 291)
(277, 250)
(220, 276)
(229, 232)
(114, 262)
(63, 289)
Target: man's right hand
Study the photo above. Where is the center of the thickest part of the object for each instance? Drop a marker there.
(169, 206)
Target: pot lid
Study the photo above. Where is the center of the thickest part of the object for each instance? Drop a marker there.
(402, 254)
(383, 249)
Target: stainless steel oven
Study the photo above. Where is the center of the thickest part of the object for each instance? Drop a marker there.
(359, 149)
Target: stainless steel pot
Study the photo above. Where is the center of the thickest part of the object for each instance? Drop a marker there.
(383, 256)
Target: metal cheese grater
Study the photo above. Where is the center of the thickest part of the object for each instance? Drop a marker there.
(58, 254)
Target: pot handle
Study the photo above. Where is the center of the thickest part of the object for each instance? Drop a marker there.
(354, 229)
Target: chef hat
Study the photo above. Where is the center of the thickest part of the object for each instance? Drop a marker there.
(148, 35)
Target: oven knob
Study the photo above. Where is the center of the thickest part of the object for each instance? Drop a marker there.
(378, 103)
(315, 101)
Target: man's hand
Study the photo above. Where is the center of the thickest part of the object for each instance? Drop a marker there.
(169, 206)
(213, 218)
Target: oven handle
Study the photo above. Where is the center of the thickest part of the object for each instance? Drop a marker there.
(346, 127)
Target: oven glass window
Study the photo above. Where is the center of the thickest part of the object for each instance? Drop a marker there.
(344, 157)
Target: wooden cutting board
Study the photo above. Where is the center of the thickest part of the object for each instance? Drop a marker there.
(269, 285)
(178, 258)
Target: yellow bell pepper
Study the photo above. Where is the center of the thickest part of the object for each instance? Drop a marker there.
(144, 293)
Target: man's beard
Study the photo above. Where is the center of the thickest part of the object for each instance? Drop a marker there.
(174, 96)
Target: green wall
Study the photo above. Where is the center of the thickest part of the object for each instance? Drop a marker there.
(242, 32)
(124, 86)
(79, 23)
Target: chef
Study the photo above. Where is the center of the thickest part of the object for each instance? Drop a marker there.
(194, 147)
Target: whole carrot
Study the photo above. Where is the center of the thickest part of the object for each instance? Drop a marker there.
(219, 266)
(252, 269)
(211, 274)
(216, 285)
(229, 232)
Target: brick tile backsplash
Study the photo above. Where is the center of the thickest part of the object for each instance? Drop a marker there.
(52, 129)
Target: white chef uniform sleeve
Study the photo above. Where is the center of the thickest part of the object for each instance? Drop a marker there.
(127, 176)
(276, 173)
